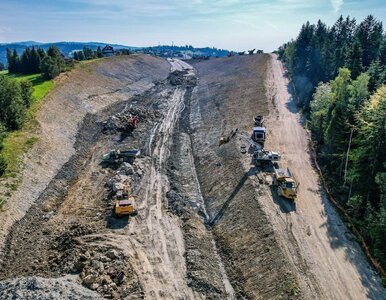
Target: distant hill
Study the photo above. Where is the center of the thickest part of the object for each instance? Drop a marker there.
(65, 47)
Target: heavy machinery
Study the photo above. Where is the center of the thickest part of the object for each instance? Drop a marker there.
(262, 156)
(286, 185)
(241, 53)
(115, 156)
(133, 121)
(259, 135)
(250, 52)
(125, 207)
(258, 120)
(124, 202)
(226, 139)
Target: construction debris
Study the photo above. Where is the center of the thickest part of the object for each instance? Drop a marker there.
(128, 119)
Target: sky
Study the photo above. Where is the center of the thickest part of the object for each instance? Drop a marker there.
(227, 24)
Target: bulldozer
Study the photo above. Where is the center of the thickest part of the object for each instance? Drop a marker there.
(286, 185)
(226, 139)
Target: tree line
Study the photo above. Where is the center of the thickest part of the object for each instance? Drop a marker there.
(36, 60)
(15, 99)
(338, 74)
(87, 53)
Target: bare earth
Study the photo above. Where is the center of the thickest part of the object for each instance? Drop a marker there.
(209, 226)
(338, 266)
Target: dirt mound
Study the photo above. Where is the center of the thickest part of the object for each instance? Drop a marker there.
(32, 288)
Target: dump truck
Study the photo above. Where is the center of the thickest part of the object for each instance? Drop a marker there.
(286, 185)
(259, 135)
(262, 156)
(115, 156)
(125, 207)
(124, 202)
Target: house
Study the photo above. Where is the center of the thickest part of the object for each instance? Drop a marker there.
(107, 51)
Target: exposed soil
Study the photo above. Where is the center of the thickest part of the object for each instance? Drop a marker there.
(323, 249)
(229, 94)
(85, 90)
(208, 224)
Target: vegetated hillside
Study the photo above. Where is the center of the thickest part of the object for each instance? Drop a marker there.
(338, 74)
(65, 47)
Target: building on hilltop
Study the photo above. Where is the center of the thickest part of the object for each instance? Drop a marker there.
(107, 51)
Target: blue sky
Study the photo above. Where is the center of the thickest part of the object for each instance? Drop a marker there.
(230, 24)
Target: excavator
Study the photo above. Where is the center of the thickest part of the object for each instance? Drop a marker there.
(250, 52)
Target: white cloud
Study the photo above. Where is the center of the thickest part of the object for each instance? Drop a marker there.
(336, 5)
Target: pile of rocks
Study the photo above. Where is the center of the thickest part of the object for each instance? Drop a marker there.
(125, 174)
(32, 288)
(121, 121)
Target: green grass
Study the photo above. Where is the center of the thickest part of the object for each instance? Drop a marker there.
(18, 142)
(40, 85)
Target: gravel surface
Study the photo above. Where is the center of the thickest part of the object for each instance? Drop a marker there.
(37, 288)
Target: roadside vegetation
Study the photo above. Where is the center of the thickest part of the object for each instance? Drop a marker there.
(338, 74)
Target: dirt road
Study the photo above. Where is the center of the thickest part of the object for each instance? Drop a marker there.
(156, 242)
(337, 266)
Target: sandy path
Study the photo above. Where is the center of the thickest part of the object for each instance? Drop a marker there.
(335, 262)
(156, 241)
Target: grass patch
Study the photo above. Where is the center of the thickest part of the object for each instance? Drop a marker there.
(20, 141)
(40, 85)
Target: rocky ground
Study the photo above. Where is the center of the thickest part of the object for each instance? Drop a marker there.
(207, 226)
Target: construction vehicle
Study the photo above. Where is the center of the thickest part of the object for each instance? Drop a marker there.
(286, 185)
(258, 120)
(125, 207)
(250, 52)
(262, 156)
(133, 121)
(124, 202)
(226, 139)
(241, 53)
(115, 156)
(259, 135)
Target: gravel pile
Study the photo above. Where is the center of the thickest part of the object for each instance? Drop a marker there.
(34, 288)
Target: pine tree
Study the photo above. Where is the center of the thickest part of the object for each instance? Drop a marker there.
(99, 52)
(369, 34)
(11, 63)
(16, 62)
(354, 61)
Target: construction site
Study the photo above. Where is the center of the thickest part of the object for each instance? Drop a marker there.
(159, 178)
